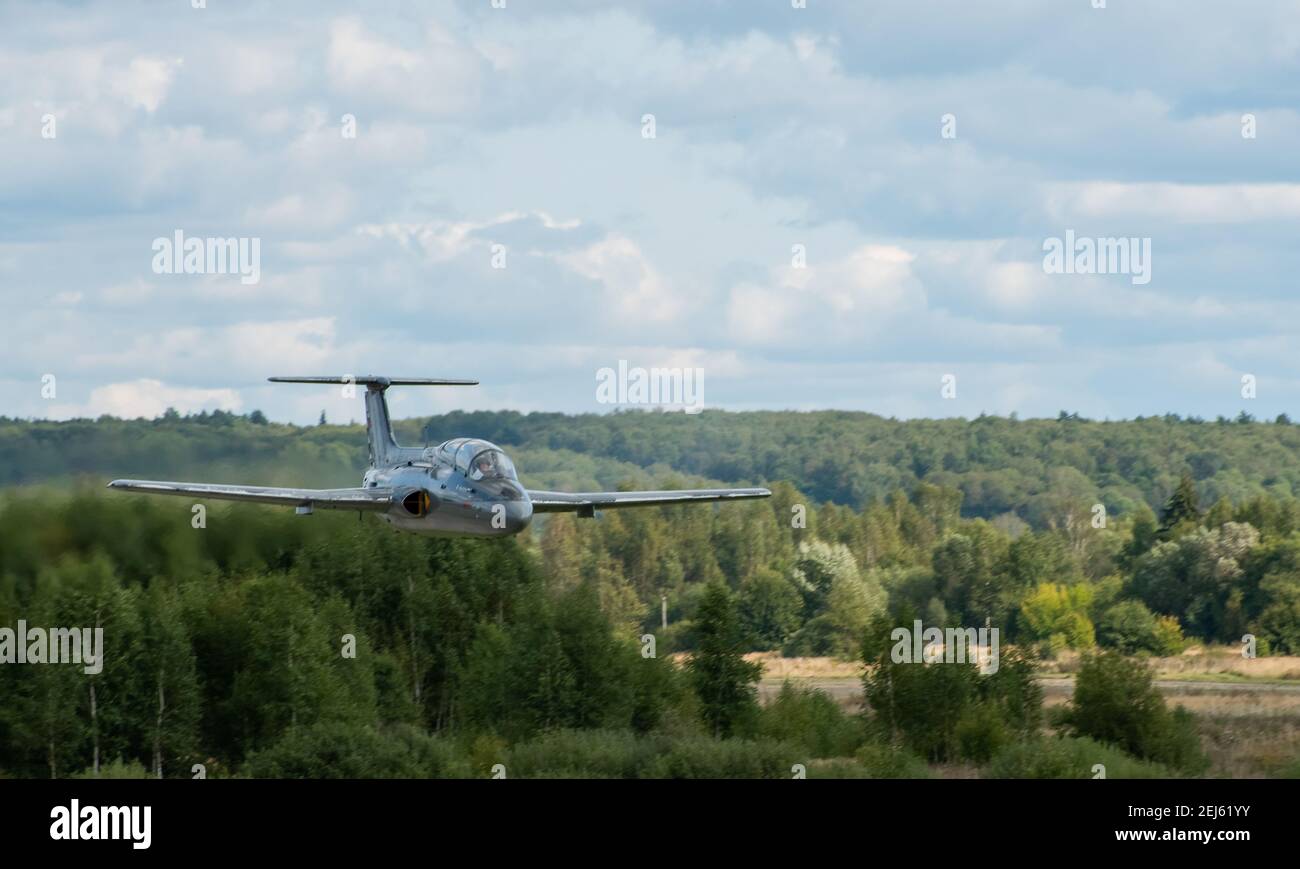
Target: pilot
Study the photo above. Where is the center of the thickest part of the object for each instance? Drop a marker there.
(483, 466)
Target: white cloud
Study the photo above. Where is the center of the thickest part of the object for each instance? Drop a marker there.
(632, 290)
(249, 350)
(145, 81)
(149, 399)
(1176, 203)
(846, 300)
(438, 75)
(324, 207)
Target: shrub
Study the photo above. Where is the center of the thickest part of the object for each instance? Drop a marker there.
(811, 719)
(118, 769)
(888, 761)
(1169, 636)
(703, 757)
(1115, 702)
(838, 768)
(980, 733)
(1015, 692)
(583, 754)
(1068, 758)
(923, 706)
(918, 705)
(623, 754)
(346, 751)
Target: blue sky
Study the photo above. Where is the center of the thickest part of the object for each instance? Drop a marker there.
(774, 127)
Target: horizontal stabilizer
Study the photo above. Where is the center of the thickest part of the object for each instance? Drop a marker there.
(369, 379)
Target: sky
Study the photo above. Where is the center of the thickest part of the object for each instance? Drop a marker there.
(845, 205)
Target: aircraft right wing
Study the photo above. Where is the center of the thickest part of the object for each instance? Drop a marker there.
(587, 502)
(326, 499)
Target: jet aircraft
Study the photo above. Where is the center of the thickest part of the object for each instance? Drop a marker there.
(465, 487)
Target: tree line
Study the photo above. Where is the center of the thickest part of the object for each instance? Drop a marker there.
(1003, 466)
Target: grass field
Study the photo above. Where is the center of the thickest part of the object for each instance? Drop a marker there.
(1199, 663)
(1248, 710)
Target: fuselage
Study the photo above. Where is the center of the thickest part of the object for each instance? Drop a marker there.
(461, 488)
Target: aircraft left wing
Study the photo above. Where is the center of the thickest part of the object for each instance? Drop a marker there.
(326, 499)
(587, 502)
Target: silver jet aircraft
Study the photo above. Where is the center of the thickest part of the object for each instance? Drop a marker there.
(465, 487)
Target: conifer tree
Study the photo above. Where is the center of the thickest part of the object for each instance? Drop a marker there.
(723, 680)
(1183, 506)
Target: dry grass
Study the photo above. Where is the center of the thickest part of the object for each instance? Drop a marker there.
(1248, 711)
(777, 668)
(1216, 663)
(1265, 745)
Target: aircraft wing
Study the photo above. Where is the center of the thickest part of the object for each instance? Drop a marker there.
(586, 502)
(326, 499)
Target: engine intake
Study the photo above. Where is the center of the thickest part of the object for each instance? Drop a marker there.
(417, 503)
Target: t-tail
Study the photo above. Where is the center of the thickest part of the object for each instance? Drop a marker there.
(379, 429)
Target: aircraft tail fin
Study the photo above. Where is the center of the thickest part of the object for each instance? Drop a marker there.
(379, 430)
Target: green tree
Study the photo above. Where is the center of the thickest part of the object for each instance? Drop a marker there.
(1130, 628)
(558, 664)
(1182, 510)
(174, 684)
(1116, 702)
(1199, 579)
(771, 608)
(969, 568)
(945, 710)
(1057, 615)
(1279, 618)
(724, 682)
(1144, 534)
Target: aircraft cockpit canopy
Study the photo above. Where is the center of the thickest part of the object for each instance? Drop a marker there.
(478, 459)
(491, 464)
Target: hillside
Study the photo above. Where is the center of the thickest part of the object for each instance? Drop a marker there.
(1000, 465)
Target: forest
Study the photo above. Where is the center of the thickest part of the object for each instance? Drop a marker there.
(258, 643)
(1001, 465)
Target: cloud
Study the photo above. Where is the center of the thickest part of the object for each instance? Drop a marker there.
(632, 291)
(437, 75)
(775, 127)
(1174, 203)
(848, 300)
(148, 399)
(444, 240)
(145, 81)
(251, 350)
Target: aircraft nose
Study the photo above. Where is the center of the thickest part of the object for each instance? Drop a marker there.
(518, 515)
